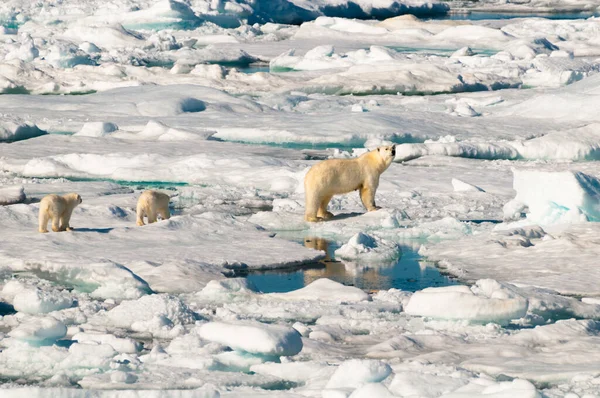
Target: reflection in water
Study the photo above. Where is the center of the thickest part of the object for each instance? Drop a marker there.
(410, 272)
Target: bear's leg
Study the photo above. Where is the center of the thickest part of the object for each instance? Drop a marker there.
(322, 212)
(140, 215)
(367, 196)
(151, 216)
(64, 221)
(311, 206)
(55, 222)
(44, 218)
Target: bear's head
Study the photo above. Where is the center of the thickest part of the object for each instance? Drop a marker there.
(73, 198)
(387, 153)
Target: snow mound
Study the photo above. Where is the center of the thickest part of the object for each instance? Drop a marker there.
(554, 197)
(96, 129)
(159, 314)
(12, 194)
(271, 340)
(487, 301)
(355, 372)
(39, 330)
(10, 131)
(325, 289)
(366, 248)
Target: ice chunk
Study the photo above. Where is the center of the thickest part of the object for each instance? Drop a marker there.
(96, 129)
(11, 194)
(159, 314)
(554, 197)
(171, 107)
(366, 248)
(254, 338)
(37, 330)
(107, 36)
(217, 288)
(11, 131)
(355, 372)
(38, 301)
(463, 52)
(325, 289)
(461, 186)
(124, 345)
(89, 355)
(486, 301)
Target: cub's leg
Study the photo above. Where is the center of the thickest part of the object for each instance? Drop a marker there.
(64, 221)
(312, 205)
(322, 212)
(165, 214)
(55, 222)
(44, 218)
(367, 196)
(151, 216)
(140, 214)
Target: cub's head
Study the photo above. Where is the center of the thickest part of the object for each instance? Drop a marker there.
(387, 153)
(73, 198)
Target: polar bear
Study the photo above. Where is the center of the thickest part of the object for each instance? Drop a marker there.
(339, 176)
(152, 204)
(59, 209)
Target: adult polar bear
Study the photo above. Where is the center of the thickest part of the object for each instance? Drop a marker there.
(339, 176)
(59, 209)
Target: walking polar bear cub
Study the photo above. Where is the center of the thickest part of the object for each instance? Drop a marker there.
(339, 176)
(59, 209)
(152, 204)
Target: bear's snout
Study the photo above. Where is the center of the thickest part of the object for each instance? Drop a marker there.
(394, 151)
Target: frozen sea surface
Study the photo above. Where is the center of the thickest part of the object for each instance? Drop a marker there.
(224, 106)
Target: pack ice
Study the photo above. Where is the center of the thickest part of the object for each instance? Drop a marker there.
(224, 106)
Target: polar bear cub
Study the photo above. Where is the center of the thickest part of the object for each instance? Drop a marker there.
(339, 176)
(152, 204)
(59, 209)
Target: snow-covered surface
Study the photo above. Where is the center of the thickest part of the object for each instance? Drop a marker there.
(224, 107)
